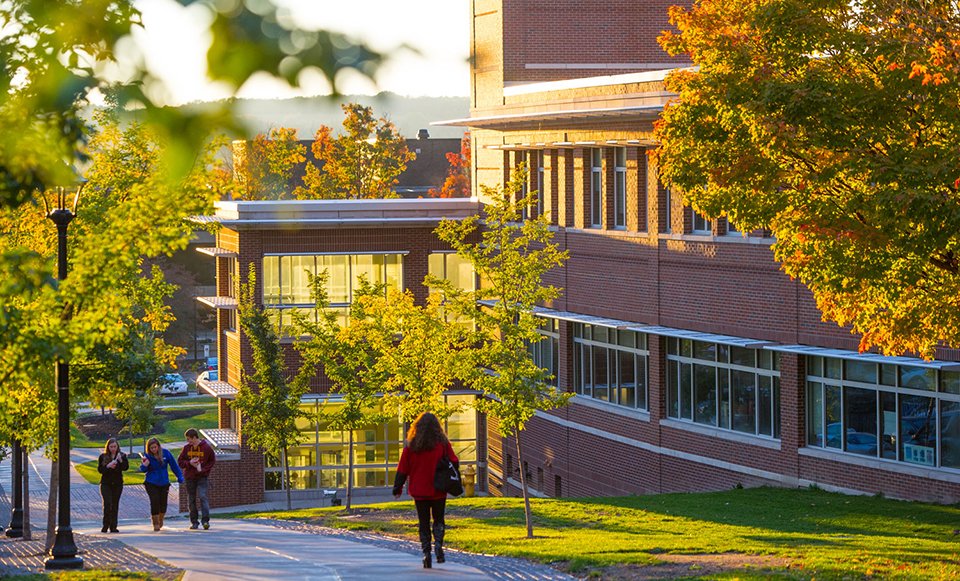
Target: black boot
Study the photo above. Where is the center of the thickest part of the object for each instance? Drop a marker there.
(438, 529)
(425, 546)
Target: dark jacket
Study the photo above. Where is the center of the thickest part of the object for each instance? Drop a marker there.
(421, 467)
(208, 458)
(112, 476)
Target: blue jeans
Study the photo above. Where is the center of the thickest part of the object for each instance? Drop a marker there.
(198, 487)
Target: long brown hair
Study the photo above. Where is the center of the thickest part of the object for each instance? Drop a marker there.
(146, 449)
(106, 447)
(425, 433)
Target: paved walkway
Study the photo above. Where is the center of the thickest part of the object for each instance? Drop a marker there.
(231, 549)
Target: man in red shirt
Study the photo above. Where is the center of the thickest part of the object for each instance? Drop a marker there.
(197, 459)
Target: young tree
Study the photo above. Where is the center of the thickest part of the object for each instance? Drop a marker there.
(422, 352)
(137, 409)
(457, 184)
(264, 167)
(833, 124)
(363, 162)
(349, 356)
(511, 257)
(268, 399)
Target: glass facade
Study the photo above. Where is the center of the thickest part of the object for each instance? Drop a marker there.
(321, 458)
(454, 268)
(546, 352)
(610, 365)
(895, 412)
(724, 386)
(620, 187)
(286, 284)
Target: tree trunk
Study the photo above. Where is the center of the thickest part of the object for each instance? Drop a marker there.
(286, 477)
(25, 495)
(350, 472)
(523, 486)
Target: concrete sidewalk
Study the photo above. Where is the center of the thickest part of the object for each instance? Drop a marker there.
(243, 550)
(234, 548)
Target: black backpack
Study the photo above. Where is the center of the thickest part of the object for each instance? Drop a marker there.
(447, 477)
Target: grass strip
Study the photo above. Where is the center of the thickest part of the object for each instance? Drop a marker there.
(742, 533)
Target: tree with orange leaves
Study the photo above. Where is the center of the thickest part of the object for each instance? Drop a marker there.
(457, 184)
(834, 124)
(362, 162)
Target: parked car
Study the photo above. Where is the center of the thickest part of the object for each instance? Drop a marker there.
(209, 375)
(172, 384)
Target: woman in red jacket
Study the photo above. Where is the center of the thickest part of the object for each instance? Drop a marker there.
(426, 444)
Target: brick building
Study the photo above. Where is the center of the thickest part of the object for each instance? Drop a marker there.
(389, 241)
(697, 364)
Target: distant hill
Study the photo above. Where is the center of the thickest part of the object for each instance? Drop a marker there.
(306, 114)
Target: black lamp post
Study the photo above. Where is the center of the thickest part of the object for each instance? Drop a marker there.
(64, 552)
(15, 528)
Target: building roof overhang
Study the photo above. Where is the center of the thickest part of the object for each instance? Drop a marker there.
(560, 117)
(333, 214)
(225, 303)
(219, 389)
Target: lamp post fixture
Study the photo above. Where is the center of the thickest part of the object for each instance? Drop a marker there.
(15, 528)
(64, 552)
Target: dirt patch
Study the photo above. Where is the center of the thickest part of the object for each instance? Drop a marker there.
(100, 427)
(674, 566)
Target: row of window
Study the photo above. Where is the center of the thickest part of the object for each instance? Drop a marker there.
(605, 182)
(286, 287)
(896, 412)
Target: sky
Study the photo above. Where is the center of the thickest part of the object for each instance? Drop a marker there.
(174, 44)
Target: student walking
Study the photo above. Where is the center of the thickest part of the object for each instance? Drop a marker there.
(426, 444)
(197, 459)
(111, 465)
(155, 462)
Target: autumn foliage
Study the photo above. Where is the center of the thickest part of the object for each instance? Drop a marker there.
(834, 124)
(457, 183)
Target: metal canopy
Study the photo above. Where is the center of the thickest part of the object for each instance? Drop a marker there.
(219, 389)
(867, 357)
(217, 252)
(226, 303)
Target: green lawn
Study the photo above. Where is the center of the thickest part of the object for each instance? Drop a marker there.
(132, 476)
(173, 429)
(745, 534)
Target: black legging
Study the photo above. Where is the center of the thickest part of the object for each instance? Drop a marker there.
(424, 510)
(158, 497)
(111, 503)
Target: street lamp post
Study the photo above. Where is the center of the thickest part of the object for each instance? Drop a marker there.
(64, 552)
(15, 529)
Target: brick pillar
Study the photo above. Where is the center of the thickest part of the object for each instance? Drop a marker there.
(792, 411)
(581, 188)
(656, 404)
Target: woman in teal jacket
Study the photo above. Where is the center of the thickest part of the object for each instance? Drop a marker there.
(155, 462)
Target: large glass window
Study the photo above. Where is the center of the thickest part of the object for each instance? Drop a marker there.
(725, 386)
(545, 353)
(897, 412)
(286, 285)
(453, 267)
(321, 457)
(620, 187)
(610, 365)
(596, 187)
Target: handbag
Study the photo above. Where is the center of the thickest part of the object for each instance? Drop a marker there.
(447, 477)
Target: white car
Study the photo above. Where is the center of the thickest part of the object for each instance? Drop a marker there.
(172, 384)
